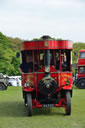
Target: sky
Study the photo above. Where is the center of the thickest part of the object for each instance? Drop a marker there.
(28, 19)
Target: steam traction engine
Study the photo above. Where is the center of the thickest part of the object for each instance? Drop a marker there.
(49, 83)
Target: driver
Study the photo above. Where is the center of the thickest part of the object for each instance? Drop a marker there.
(27, 66)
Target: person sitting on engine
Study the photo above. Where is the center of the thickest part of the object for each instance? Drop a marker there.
(57, 61)
(27, 66)
(64, 62)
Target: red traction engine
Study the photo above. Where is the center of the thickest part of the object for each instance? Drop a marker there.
(49, 83)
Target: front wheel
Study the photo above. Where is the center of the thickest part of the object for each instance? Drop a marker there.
(68, 103)
(29, 104)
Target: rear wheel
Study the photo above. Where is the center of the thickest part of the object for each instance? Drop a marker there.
(81, 84)
(29, 104)
(68, 103)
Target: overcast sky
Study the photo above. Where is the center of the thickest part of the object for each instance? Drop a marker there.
(28, 19)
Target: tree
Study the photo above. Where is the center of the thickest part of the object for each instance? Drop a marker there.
(6, 56)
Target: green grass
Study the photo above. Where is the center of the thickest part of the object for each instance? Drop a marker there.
(13, 113)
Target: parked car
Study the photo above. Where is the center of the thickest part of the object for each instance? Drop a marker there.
(14, 80)
(3, 82)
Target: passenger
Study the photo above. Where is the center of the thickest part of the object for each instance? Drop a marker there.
(27, 66)
(57, 61)
(64, 62)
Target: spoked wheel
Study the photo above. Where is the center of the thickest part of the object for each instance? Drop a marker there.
(29, 104)
(68, 103)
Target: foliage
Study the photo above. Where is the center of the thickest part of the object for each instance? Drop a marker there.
(14, 43)
(6, 56)
(77, 47)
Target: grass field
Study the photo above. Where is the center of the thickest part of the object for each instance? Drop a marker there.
(13, 113)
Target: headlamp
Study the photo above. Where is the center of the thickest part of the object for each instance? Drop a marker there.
(47, 69)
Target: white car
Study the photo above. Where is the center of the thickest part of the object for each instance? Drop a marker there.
(18, 80)
(14, 80)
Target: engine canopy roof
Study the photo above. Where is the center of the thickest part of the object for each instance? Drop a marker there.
(46, 44)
